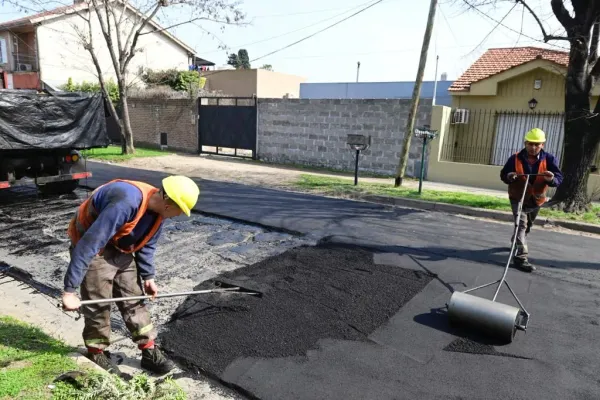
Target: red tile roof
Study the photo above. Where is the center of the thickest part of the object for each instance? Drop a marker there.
(28, 20)
(495, 61)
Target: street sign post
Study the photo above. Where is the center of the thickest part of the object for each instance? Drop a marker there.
(358, 143)
(424, 133)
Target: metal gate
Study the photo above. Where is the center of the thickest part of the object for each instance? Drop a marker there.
(228, 125)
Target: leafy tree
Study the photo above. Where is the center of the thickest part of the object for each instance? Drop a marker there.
(582, 120)
(241, 60)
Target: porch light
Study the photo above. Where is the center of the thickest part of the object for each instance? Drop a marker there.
(532, 104)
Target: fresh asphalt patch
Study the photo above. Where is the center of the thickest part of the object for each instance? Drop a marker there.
(309, 293)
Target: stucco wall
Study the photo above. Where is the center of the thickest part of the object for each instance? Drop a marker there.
(234, 83)
(275, 85)
(251, 82)
(473, 142)
(62, 55)
(475, 175)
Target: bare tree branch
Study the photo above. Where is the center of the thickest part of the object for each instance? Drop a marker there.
(107, 38)
(544, 33)
(118, 26)
(137, 35)
(90, 48)
(562, 15)
(220, 21)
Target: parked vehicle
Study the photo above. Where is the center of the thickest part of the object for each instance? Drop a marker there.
(42, 134)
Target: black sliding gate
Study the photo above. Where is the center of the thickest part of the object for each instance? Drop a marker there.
(227, 126)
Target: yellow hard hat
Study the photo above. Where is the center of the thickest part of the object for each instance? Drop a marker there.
(536, 135)
(183, 191)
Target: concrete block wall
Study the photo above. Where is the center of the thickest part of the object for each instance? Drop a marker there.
(176, 117)
(314, 131)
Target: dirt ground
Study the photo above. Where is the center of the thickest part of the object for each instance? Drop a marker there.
(273, 176)
(33, 239)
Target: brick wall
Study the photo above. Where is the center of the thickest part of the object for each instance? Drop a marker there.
(313, 132)
(176, 117)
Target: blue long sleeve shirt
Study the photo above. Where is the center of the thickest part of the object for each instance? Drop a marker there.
(116, 204)
(551, 165)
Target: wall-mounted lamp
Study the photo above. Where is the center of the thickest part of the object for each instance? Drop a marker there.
(532, 104)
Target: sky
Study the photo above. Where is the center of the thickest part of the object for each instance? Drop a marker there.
(386, 38)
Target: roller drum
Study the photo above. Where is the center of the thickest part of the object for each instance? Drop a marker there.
(495, 319)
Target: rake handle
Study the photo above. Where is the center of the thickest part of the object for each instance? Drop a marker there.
(145, 297)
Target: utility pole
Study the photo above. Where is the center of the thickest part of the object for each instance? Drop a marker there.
(437, 60)
(357, 70)
(415, 95)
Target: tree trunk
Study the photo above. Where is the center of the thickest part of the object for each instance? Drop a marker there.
(581, 142)
(127, 146)
(581, 136)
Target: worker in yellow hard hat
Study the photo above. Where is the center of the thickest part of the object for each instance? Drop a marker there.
(530, 160)
(113, 239)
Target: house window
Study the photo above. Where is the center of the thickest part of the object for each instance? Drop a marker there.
(3, 55)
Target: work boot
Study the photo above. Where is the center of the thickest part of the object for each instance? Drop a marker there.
(155, 360)
(524, 265)
(103, 360)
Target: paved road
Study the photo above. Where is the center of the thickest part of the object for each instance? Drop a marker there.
(556, 359)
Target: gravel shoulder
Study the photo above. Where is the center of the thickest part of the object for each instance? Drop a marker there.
(257, 174)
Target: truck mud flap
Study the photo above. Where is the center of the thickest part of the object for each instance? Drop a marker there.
(47, 179)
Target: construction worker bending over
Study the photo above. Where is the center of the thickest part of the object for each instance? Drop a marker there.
(531, 160)
(113, 239)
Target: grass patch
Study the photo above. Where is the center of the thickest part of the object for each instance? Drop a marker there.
(113, 153)
(343, 187)
(97, 386)
(29, 360)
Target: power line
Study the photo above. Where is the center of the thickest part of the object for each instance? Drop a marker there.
(393, 51)
(448, 24)
(290, 32)
(320, 31)
(300, 13)
(493, 29)
(511, 29)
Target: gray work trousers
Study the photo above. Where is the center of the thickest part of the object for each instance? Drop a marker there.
(524, 223)
(114, 274)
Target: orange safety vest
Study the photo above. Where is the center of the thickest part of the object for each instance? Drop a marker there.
(536, 189)
(86, 215)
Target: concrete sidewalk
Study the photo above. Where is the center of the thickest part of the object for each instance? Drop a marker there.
(410, 357)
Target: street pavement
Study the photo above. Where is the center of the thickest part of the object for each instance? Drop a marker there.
(408, 357)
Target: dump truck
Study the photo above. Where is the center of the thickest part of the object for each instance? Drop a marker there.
(42, 135)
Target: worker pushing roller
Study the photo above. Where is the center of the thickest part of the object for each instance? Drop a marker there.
(530, 160)
(528, 174)
(113, 239)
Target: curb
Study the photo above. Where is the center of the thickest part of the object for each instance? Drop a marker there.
(85, 362)
(474, 212)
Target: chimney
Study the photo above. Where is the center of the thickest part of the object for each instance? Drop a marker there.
(444, 76)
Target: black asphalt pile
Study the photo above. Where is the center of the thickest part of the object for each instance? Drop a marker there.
(309, 293)
(34, 224)
(467, 345)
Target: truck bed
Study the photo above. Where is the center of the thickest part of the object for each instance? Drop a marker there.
(34, 121)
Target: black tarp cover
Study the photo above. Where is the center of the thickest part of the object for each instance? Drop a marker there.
(32, 121)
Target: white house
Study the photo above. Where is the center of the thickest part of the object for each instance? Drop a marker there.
(47, 48)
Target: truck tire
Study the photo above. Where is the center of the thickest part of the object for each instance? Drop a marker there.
(64, 187)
